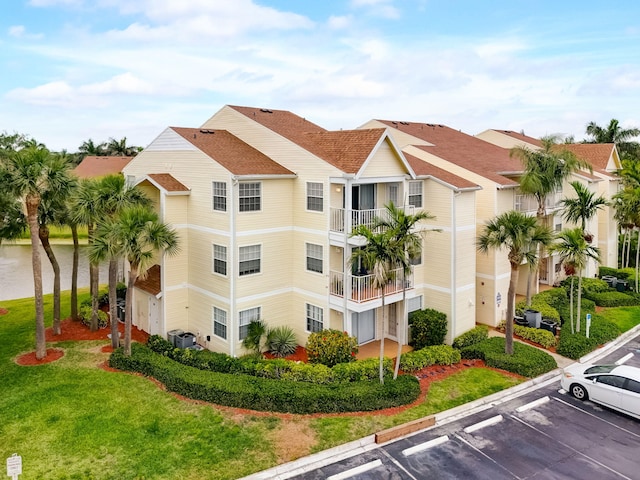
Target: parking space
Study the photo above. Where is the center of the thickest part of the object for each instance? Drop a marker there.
(544, 434)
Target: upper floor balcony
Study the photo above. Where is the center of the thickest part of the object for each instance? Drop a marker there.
(344, 220)
(529, 203)
(361, 287)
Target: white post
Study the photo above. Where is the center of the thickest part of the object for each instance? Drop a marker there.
(588, 324)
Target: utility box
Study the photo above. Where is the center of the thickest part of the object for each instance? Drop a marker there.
(533, 318)
(549, 325)
(518, 320)
(172, 335)
(185, 340)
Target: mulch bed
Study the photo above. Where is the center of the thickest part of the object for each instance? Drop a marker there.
(3, 311)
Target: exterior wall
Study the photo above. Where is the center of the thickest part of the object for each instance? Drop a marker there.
(385, 162)
(502, 140)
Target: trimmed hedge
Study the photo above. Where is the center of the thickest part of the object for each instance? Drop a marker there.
(622, 274)
(475, 335)
(614, 299)
(244, 391)
(432, 355)
(536, 335)
(526, 360)
(537, 303)
(330, 347)
(428, 327)
(576, 345)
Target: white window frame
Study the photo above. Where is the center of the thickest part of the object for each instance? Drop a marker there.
(250, 201)
(220, 321)
(218, 257)
(219, 193)
(312, 256)
(315, 318)
(315, 193)
(251, 253)
(411, 304)
(415, 194)
(245, 317)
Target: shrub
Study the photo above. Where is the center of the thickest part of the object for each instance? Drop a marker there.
(428, 327)
(536, 335)
(256, 330)
(526, 360)
(614, 299)
(243, 391)
(554, 297)
(574, 345)
(307, 372)
(281, 341)
(331, 347)
(602, 330)
(367, 369)
(432, 355)
(475, 335)
(622, 274)
(121, 290)
(537, 303)
(85, 316)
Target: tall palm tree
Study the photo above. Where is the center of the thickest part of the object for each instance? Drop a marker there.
(120, 148)
(575, 251)
(583, 207)
(377, 256)
(88, 147)
(515, 232)
(137, 234)
(402, 225)
(13, 223)
(30, 171)
(545, 171)
(613, 133)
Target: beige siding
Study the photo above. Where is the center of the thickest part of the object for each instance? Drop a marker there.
(384, 162)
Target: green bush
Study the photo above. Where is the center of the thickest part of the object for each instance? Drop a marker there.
(621, 274)
(428, 327)
(281, 341)
(574, 345)
(614, 299)
(554, 297)
(602, 330)
(536, 335)
(121, 290)
(526, 360)
(367, 369)
(85, 316)
(307, 372)
(537, 303)
(431, 355)
(331, 347)
(475, 335)
(255, 393)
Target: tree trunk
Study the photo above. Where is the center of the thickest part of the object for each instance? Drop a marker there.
(133, 276)
(381, 340)
(74, 272)
(94, 284)
(113, 301)
(32, 203)
(403, 326)
(530, 276)
(511, 300)
(637, 258)
(571, 305)
(43, 233)
(578, 319)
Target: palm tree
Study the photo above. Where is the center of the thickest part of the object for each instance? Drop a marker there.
(545, 171)
(516, 232)
(402, 228)
(613, 133)
(575, 252)
(583, 207)
(378, 256)
(90, 148)
(120, 148)
(137, 234)
(31, 171)
(13, 223)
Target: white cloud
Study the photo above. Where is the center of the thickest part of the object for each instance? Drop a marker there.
(339, 22)
(16, 30)
(380, 8)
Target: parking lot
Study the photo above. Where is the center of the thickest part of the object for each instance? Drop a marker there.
(545, 434)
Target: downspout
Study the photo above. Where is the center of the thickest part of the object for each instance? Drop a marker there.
(232, 264)
(346, 317)
(454, 292)
(163, 328)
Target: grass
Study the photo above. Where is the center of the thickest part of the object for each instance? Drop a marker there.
(72, 420)
(624, 317)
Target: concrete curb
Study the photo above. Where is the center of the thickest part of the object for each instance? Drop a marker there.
(347, 450)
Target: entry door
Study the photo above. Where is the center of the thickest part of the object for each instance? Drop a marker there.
(363, 197)
(393, 320)
(364, 326)
(154, 316)
(393, 193)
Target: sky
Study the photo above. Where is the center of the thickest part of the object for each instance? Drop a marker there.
(73, 70)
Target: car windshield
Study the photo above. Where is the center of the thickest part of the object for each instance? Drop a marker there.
(599, 369)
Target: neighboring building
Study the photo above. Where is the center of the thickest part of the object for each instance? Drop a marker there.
(264, 202)
(98, 166)
(605, 181)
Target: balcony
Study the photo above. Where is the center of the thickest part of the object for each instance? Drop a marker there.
(362, 289)
(340, 216)
(529, 204)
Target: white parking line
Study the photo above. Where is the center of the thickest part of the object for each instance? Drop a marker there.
(625, 358)
(533, 404)
(424, 446)
(486, 423)
(356, 470)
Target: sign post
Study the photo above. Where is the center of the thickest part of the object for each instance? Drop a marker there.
(588, 324)
(14, 466)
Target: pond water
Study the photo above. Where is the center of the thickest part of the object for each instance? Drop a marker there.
(16, 274)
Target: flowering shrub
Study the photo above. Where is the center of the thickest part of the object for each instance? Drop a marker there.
(330, 347)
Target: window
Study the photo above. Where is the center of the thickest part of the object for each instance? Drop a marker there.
(557, 268)
(415, 194)
(220, 259)
(220, 196)
(249, 260)
(249, 197)
(611, 380)
(314, 318)
(314, 196)
(219, 323)
(314, 258)
(414, 304)
(558, 227)
(416, 258)
(245, 318)
(633, 386)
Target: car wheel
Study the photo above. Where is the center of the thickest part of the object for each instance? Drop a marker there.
(579, 392)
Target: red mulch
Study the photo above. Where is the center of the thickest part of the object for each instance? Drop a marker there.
(75, 331)
(299, 356)
(3, 311)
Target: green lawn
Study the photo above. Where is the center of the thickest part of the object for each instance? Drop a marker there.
(72, 420)
(625, 317)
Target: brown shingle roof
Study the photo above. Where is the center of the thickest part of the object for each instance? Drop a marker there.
(424, 168)
(168, 182)
(467, 151)
(98, 166)
(522, 137)
(231, 152)
(597, 154)
(151, 282)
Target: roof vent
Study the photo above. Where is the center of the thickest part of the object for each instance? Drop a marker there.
(266, 110)
(205, 130)
(404, 123)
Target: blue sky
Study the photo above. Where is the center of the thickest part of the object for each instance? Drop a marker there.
(79, 69)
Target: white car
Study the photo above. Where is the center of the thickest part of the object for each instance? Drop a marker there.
(614, 386)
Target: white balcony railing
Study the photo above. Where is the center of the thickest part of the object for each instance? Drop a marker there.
(346, 219)
(362, 289)
(529, 204)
